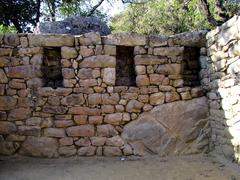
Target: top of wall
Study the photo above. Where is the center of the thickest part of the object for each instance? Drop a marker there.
(191, 39)
(225, 33)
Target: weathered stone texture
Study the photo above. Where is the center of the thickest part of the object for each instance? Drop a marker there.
(7, 127)
(100, 61)
(220, 74)
(50, 40)
(7, 102)
(125, 39)
(81, 131)
(40, 147)
(159, 130)
(27, 71)
(103, 86)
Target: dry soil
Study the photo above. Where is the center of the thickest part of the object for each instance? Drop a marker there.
(196, 167)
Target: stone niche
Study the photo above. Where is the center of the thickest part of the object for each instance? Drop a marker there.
(51, 67)
(191, 66)
(125, 72)
(121, 94)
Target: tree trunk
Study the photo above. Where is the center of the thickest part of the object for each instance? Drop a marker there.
(17, 25)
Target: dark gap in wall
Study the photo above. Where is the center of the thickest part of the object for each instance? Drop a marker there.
(125, 71)
(191, 66)
(51, 67)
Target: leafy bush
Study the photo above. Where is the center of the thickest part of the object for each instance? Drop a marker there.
(7, 29)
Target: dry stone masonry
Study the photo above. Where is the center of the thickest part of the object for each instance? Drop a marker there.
(121, 94)
(220, 76)
(115, 95)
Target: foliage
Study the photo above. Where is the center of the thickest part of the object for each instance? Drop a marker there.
(25, 14)
(157, 16)
(80, 8)
(20, 13)
(7, 29)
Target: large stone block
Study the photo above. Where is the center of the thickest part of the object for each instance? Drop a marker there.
(54, 132)
(7, 102)
(170, 69)
(85, 51)
(106, 130)
(27, 71)
(87, 73)
(112, 151)
(157, 98)
(115, 141)
(87, 151)
(100, 61)
(68, 52)
(29, 130)
(7, 127)
(40, 147)
(114, 119)
(125, 39)
(84, 111)
(134, 106)
(91, 38)
(11, 39)
(48, 91)
(166, 129)
(98, 141)
(73, 99)
(156, 79)
(50, 40)
(30, 51)
(155, 41)
(88, 82)
(149, 60)
(63, 123)
(68, 73)
(8, 148)
(172, 96)
(81, 131)
(109, 76)
(54, 109)
(142, 80)
(95, 99)
(19, 114)
(168, 51)
(85, 141)
(190, 39)
(110, 98)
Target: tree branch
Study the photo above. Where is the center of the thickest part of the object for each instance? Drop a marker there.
(221, 10)
(208, 13)
(95, 7)
(38, 11)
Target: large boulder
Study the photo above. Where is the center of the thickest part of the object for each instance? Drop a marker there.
(75, 26)
(173, 128)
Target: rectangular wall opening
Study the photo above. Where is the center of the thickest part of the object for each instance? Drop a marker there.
(51, 68)
(125, 72)
(191, 66)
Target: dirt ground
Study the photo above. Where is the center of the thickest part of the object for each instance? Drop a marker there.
(197, 167)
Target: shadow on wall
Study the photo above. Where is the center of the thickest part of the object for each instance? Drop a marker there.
(220, 76)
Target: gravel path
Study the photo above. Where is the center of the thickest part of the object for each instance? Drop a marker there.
(197, 167)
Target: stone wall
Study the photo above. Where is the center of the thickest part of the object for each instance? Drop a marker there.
(220, 75)
(86, 114)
